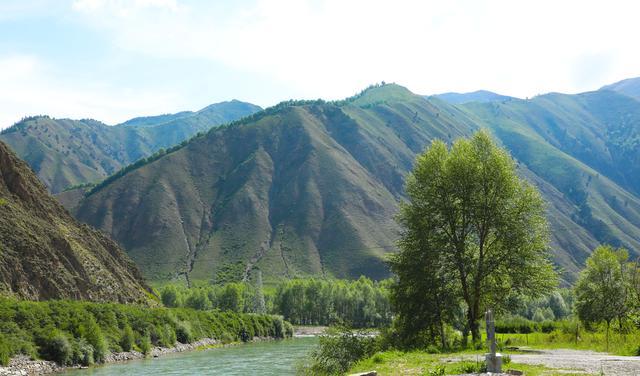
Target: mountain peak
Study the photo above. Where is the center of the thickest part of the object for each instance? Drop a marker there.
(380, 93)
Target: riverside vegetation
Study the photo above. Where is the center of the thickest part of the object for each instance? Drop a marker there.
(76, 332)
(362, 303)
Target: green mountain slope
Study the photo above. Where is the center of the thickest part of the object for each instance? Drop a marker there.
(46, 254)
(586, 147)
(67, 152)
(302, 189)
(312, 187)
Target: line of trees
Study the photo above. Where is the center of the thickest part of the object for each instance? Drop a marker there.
(359, 304)
(362, 303)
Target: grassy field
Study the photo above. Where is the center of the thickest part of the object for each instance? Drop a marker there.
(619, 344)
(423, 363)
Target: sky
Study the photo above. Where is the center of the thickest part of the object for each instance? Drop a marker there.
(112, 60)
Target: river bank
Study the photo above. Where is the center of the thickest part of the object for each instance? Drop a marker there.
(24, 366)
(309, 331)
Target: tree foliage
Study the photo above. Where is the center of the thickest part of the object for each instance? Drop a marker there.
(362, 303)
(474, 233)
(602, 290)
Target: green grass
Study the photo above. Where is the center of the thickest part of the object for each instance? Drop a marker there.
(395, 362)
(619, 344)
(423, 363)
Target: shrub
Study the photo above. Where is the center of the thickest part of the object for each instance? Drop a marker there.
(337, 352)
(93, 334)
(144, 344)
(128, 338)
(433, 349)
(56, 347)
(514, 324)
(170, 297)
(279, 327)
(288, 330)
(437, 371)
(547, 326)
(183, 333)
(169, 337)
(5, 351)
(82, 352)
(471, 367)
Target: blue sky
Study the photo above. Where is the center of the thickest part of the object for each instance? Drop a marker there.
(114, 59)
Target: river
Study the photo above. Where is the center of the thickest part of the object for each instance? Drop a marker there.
(260, 358)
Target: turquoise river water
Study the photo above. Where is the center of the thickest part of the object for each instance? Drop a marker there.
(268, 358)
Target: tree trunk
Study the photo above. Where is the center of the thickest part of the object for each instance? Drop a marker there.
(443, 338)
(608, 324)
(474, 327)
(465, 336)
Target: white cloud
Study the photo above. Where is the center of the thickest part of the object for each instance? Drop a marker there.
(329, 49)
(30, 87)
(123, 7)
(332, 48)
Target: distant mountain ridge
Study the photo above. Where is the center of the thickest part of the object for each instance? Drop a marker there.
(311, 187)
(475, 96)
(47, 254)
(66, 152)
(629, 87)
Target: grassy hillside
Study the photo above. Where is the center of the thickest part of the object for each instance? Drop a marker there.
(586, 147)
(311, 187)
(302, 189)
(66, 152)
(46, 254)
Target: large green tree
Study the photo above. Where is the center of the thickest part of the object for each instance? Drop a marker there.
(602, 290)
(473, 231)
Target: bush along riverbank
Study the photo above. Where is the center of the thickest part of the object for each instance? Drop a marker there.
(72, 333)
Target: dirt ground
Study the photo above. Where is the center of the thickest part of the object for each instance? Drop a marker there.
(578, 360)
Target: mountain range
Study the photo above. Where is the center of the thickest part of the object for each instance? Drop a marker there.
(66, 153)
(46, 254)
(312, 187)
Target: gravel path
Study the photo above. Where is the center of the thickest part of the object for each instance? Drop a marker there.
(588, 361)
(574, 361)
